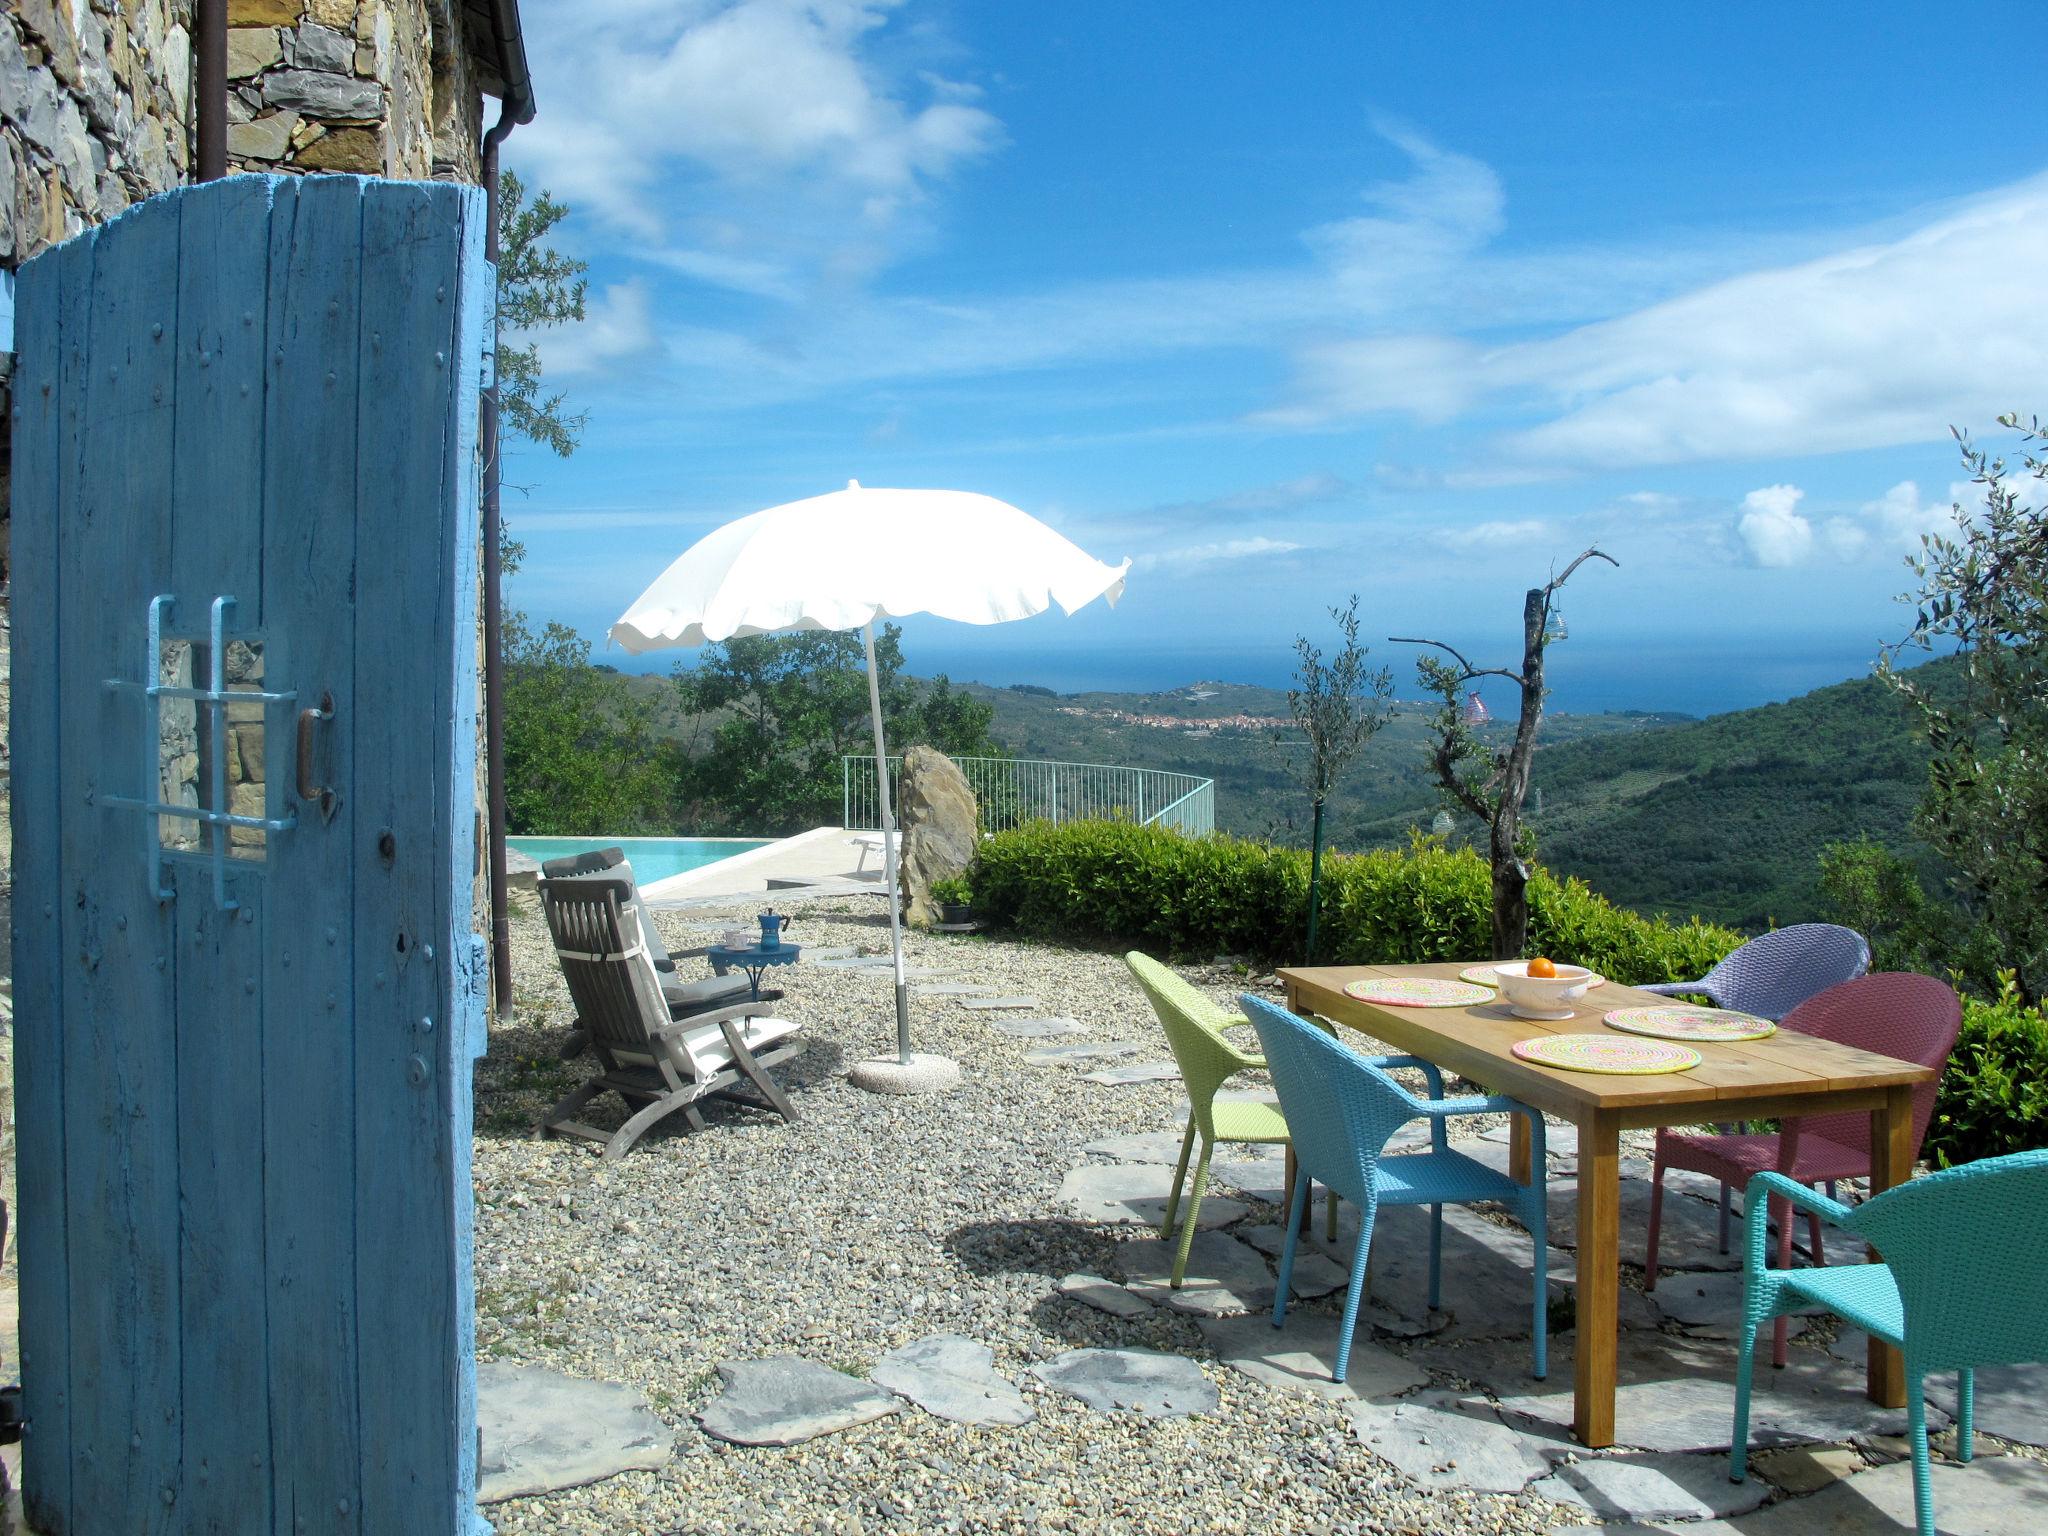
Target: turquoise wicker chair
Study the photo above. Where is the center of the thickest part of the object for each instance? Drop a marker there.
(1341, 1107)
(1964, 1283)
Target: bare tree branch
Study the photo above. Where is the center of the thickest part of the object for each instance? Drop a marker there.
(1595, 553)
(1469, 671)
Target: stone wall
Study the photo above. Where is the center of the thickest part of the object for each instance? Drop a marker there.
(97, 98)
(377, 87)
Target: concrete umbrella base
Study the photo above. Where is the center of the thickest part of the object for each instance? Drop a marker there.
(920, 1074)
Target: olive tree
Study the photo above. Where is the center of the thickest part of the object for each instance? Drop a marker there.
(1339, 706)
(1983, 590)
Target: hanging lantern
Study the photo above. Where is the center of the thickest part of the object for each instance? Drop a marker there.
(1443, 825)
(1474, 712)
(1555, 628)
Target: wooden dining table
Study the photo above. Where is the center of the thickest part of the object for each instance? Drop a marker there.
(1785, 1074)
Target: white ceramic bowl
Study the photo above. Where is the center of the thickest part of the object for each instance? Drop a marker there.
(1542, 997)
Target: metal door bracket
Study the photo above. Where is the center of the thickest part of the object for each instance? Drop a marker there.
(213, 700)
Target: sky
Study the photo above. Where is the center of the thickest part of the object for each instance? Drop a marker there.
(1293, 303)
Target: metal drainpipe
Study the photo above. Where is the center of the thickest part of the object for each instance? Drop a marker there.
(494, 610)
(210, 90)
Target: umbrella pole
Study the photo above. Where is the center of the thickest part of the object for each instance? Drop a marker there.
(867, 636)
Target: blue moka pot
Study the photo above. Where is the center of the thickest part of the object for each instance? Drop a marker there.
(772, 924)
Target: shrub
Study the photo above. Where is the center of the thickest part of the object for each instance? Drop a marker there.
(1125, 886)
(1994, 1097)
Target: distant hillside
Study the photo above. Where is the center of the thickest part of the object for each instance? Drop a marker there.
(1237, 735)
(1726, 817)
(1723, 817)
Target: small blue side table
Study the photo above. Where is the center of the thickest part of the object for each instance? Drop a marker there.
(753, 959)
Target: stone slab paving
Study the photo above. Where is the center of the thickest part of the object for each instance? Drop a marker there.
(1079, 1055)
(1690, 1234)
(2003, 1497)
(858, 963)
(1315, 1272)
(1437, 1440)
(951, 989)
(810, 956)
(1262, 1178)
(1678, 1393)
(994, 1004)
(1159, 1386)
(1646, 1486)
(1104, 1296)
(1710, 1305)
(1297, 1358)
(2012, 1401)
(950, 1375)
(1224, 1277)
(786, 1400)
(1134, 1195)
(1140, 1147)
(542, 1430)
(1037, 1029)
(1799, 1469)
(1487, 1285)
(1144, 1072)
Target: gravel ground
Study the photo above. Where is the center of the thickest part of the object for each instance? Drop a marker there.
(871, 1222)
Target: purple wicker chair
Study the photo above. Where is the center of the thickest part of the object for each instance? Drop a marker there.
(1775, 972)
(1895, 1013)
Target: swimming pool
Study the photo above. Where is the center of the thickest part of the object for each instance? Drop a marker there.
(654, 858)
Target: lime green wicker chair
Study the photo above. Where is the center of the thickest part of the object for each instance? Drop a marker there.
(1194, 1031)
(1964, 1283)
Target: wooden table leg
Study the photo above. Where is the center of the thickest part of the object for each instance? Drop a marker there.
(1599, 1281)
(1891, 1163)
(1518, 1149)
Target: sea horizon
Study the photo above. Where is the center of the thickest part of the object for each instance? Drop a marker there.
(1590, 677)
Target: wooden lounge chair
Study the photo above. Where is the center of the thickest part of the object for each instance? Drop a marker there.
(658, 1062)
(611, 863)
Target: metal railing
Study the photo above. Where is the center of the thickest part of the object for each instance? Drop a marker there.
(1011, 791)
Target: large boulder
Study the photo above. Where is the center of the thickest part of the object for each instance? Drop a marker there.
(940, 829)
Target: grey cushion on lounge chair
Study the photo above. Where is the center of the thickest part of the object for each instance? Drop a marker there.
(683, 996)
(614, 863)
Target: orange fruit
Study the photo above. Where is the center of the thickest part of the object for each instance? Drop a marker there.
(1542, 967)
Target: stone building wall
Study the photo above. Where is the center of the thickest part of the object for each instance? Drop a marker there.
(96, 98)
(377, 87)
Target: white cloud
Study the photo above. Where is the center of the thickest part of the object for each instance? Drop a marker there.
(1194, 555)
(618, 325)
(779, 104)
(1498, 532)
(1877, 344)
(1771, 527)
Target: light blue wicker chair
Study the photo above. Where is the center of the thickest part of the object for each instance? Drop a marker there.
(1341, 1107)
(1964, 1283)
(1770, 976)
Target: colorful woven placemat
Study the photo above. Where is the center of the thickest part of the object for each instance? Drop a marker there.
(1682, 1022)
(1483, 976)
(1610, 1055)
(1418, 992)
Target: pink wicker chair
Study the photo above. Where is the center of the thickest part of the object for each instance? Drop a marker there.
(1895, 1013)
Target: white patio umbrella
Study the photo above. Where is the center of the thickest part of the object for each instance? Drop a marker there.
(847, 559)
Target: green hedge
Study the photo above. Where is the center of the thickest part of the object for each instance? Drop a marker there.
(1124, 886)
(1994, 1097)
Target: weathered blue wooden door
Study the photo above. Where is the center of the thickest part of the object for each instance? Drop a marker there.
(247, 993)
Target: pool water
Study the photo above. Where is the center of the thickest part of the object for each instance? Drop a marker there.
(653, 858)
